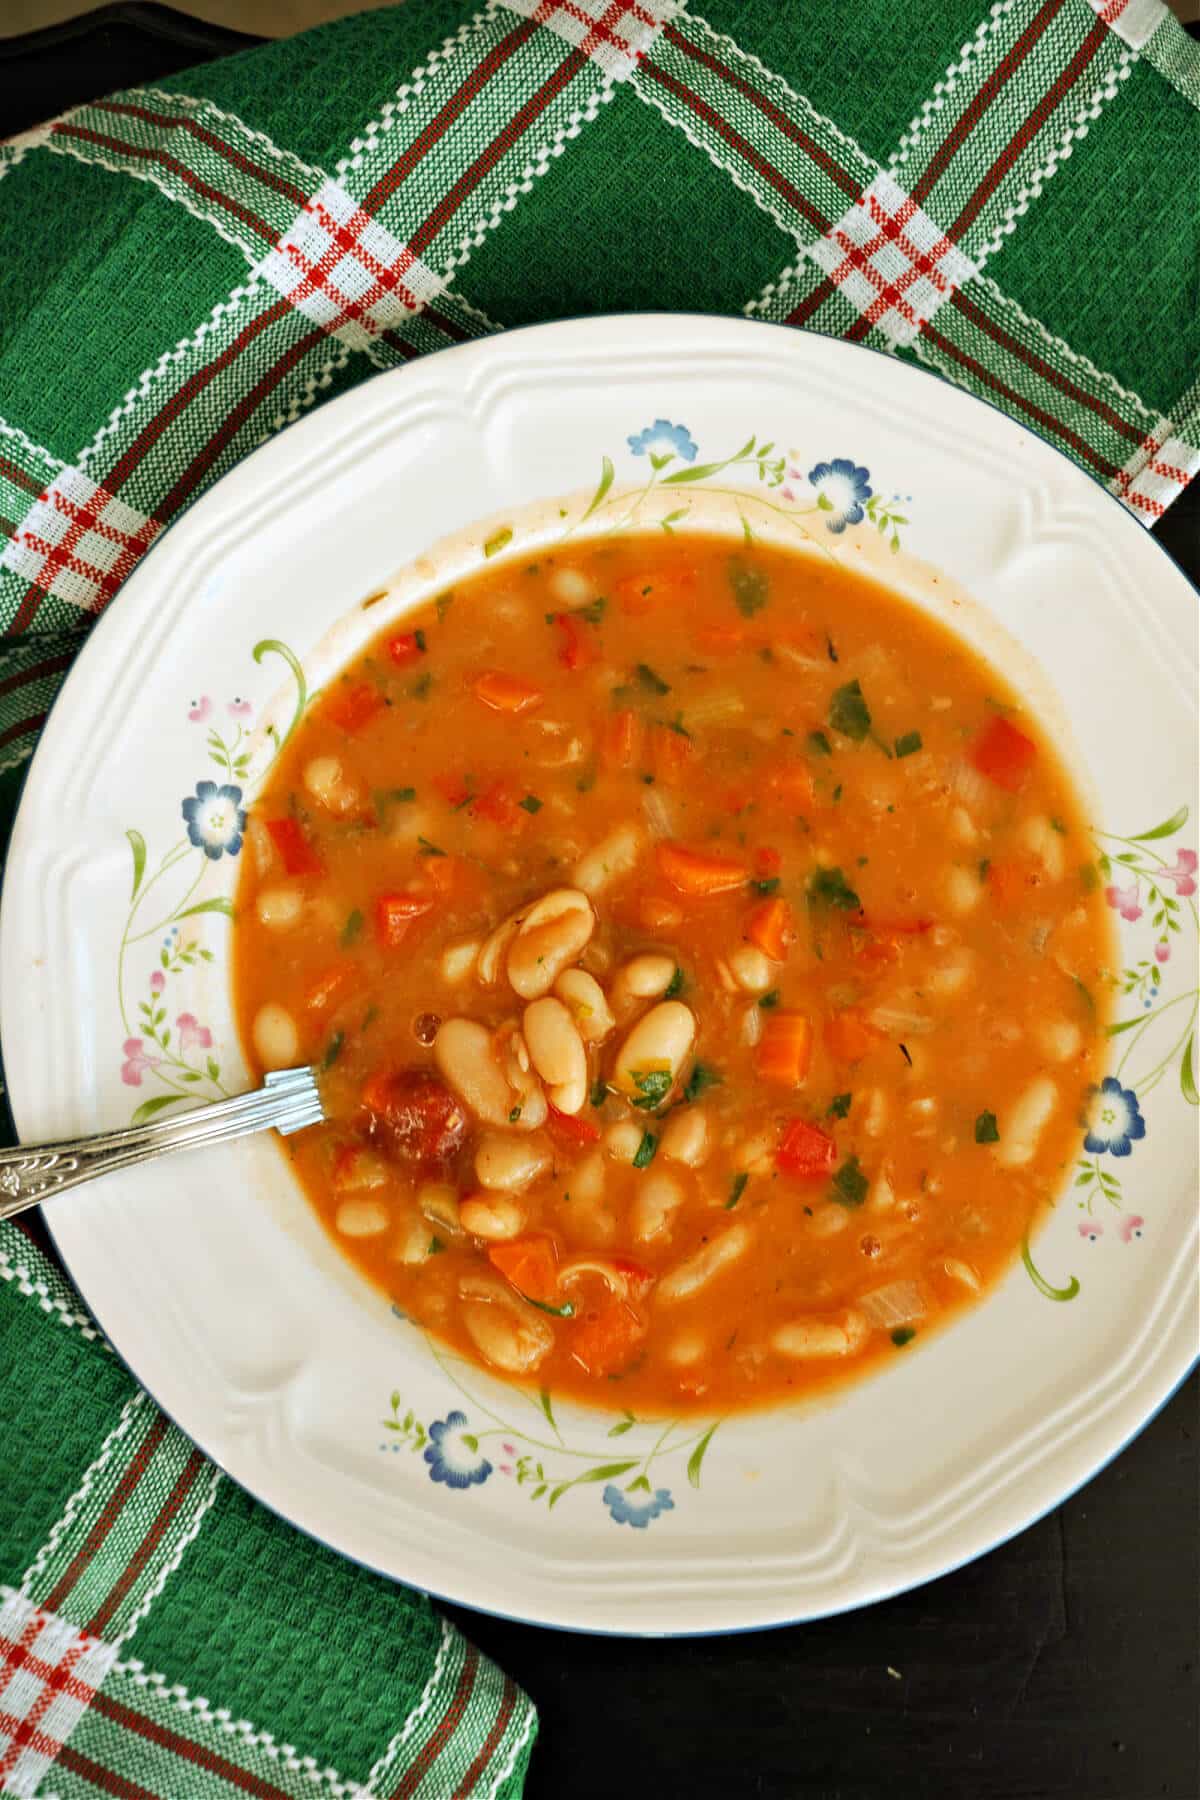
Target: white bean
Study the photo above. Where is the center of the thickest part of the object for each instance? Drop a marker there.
(495, 1218)
(658, 1198)
(557, 1051)
(875, 1121)
(462, 1051)
(685, 1137)
(643, 978)
(614, 855)
(623, 1140)
(494, 946)
(571, 587)
(587, 1179)
(751, 969)
(411, 1243)
(502, 1327)
(963, 826)
(438, 1202)
(276, 1038)
(659, 1042)
(697, 1270)
(963, 889)
(279, 908)
(685, 1350)
(584, 998)
(1060, 1039)
(505, 1162)
(1024, 1126)
(361, 1218)
(963, 1272)
(1039, 836)
(752, 1025)
(550, 937)
(459, 959)
(953, 975)
(326, 782)
(821, 1337)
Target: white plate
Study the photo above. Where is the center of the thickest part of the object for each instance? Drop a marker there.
(212, 1277)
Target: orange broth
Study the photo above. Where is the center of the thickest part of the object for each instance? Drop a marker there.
(774, 820)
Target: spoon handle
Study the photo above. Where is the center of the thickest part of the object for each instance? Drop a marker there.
(288, 1100)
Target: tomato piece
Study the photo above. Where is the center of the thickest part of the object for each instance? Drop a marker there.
(1004, 754)
(696, 872)
(531, 1264)
(767, 862)
(333, 985)
(574, 652)
(394, 913)
(771, 928)
(453, 789)
(785, 1049)
(405, 648)
(506, 693)
(299, 857)
(572, 1129)
(350, 708)
(497, 805)
(606, 1336)
(805, 1152)
(622, 740)
(414, 1118)
(671, 754)
(848, 1036)
(790, 784)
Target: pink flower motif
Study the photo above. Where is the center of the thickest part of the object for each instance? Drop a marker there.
(199, 710)
(191, 1032)
(1091, 1229)
(787, 492)
(509, 1449)
(1129, 1226)
(506, 1468)
(1162, 951)
(239, 708)
(135, 1061)
(158, 981)
(1124, 900)
(1184, 872)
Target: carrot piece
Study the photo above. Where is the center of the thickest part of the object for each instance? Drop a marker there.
(404, 648)
(572, 1129)
(1004, 754)
(790, 784)
(771, 928)
(785, 1049)
(453, 789)
(767, 862)
(299, 857)
(805, 1152)
(506, 693)
(575, 652)
(394, 913)
(531, 1264)
(350, 708)
(333, 985)
(622, 741)
(607, 1336)
(848, 1037)
(498, 806)
(672, 755)
(695, 872)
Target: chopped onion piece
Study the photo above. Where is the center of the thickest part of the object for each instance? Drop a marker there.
(660, 814)
(972, 788)
(899, 1303)
(717, 708)
(896, 1021)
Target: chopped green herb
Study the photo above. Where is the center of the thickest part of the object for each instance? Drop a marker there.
(906, 1053)
(767, 1001)
(1085, 994)
(565, 1311)
(598, 1094)
(428, 849)
(849, 1184)
(649, 780)
(985, 864)
(371, 1015)
(819, 744)
(839, 1106)
(909, 744)
(1056, 824)
(498, 541)
(903, 1334)
(530, 804)
(552, 618)
(421, 686)
(419, 637)
(736, 1190)
(653, 1086)
(769, 885)
(649, 679)
(644, 1155)
(849, 712)
(750, 587)
(701, 1078)
(986, 1129)
(443, 603)
(586, 782)
(830, 648)
(334, 1051)
(514, 1115)
(674, 987)
(594, 611)
(1089, 879)
(829, 887)
(837, 793)
(351, 929)
(436, 1247)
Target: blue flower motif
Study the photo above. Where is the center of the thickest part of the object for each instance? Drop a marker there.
(215, 819)
(842, 488)
(454, 1455)
(628, 1510)
(661, 441)
(1113, 1119)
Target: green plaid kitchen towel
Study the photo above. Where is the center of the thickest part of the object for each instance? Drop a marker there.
(1005, 195)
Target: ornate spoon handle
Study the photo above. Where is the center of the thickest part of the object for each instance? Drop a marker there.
(288, 1100)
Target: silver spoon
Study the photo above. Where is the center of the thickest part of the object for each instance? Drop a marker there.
(288, 1100)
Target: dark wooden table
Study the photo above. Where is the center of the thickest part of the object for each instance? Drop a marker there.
(1064, 1664)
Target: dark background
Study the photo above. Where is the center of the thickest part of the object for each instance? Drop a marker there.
(1062, 1664)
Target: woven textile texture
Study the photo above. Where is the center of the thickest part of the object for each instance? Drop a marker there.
(1003, 194)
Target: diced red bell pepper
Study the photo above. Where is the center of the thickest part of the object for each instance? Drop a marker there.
(350, 708)
(767, 862)
(299, 857)
(497, 805)
(453, 789)
(1004, 754)
(404, 648)
(394, 914)
(572, 1129)
(332, 986)
(531, 1264)
(805, 1152)
(574, 652)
